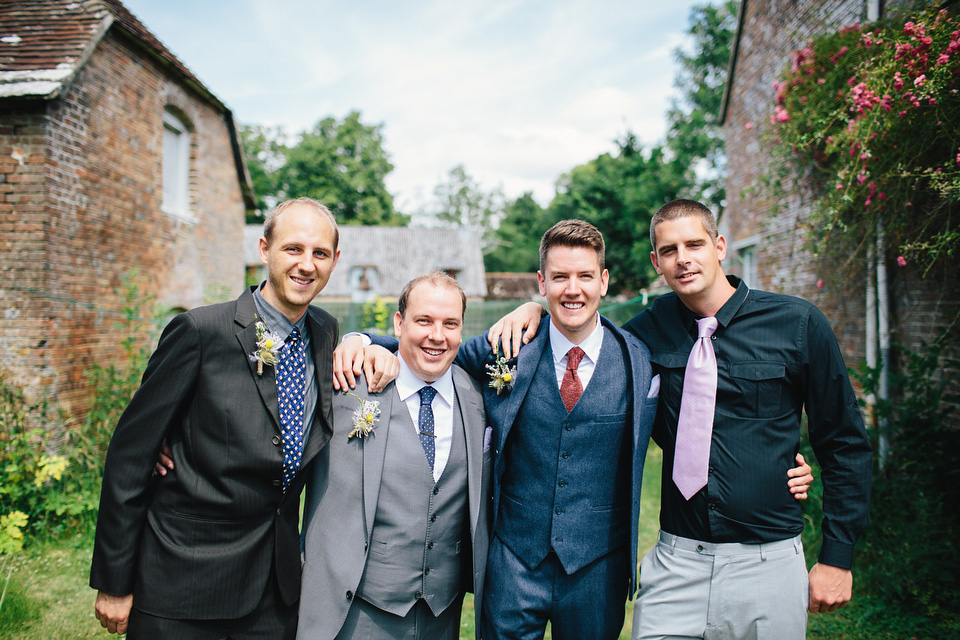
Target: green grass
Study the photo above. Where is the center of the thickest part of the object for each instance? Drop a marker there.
(48, 597)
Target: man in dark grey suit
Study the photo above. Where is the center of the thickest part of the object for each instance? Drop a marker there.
(240, 392)
(396, 509)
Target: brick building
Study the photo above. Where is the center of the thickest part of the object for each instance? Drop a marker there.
(767, 248)
(113, 156)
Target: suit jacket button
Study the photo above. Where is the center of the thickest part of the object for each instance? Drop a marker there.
(417, 595)
(277, 483)
(349, 596)
(426, 571)
(436, 491)
(276, 440)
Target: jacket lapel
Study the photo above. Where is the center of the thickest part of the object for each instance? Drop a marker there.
(322, 427)
(471, 416)
(374, 451)
(247, 336)
(527, 363)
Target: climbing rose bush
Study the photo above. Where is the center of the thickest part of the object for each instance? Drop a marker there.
(871, 114)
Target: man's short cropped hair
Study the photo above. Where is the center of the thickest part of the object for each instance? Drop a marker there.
(320, 208)
(440, 278)
(682, 209)
(572, 233)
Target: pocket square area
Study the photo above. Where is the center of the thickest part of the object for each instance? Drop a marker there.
(654, 387)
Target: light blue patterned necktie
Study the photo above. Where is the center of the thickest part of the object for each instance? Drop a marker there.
(291, 383)
(426, 427)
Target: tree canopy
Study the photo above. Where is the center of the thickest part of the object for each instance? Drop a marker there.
(341, 163)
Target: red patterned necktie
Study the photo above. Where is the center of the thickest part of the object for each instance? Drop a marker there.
(570, 387)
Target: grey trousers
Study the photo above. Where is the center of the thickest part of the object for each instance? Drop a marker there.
(367, 622)
(692, 589)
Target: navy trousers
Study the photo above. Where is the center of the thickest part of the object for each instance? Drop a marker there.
(585, 605)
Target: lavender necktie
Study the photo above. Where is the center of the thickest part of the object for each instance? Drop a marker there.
(695, 426)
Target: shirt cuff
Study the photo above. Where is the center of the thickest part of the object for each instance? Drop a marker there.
(366, 339)
(836, 554)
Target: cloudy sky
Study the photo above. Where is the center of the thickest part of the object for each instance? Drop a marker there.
(518, 92)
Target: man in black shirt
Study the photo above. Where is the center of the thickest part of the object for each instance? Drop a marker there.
(729, 562)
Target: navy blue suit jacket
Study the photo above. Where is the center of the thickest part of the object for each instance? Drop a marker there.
(502, 409)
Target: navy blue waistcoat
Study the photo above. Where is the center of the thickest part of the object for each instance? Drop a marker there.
(567, 477)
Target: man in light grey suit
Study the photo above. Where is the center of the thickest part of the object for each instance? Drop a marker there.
(395, 522)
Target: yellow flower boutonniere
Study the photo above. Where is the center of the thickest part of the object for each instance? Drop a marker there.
(268, 347)
(364, 418)
(501, 375)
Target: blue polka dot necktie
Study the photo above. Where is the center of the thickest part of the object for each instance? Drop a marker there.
(291, 379)
(426, 427)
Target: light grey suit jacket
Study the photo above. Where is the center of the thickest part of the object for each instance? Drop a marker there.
(341, 503)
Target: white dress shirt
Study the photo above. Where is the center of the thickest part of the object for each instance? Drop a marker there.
(408, 386)
(591, 349)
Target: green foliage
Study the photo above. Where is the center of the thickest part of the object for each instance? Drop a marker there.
(264, 150)
(518, 237)
(904, 579)
(375, 315)
(29, 476)
(695, 136)
(915, 503)
(619, 194)
(869, 118)
(341, 163)
(46, 494)
(462, 202)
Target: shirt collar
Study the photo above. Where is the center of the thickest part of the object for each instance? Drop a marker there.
(590, 345)
(726, 313)
(274, 320)
(408, 383)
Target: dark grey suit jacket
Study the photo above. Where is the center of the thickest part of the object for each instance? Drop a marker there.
(200, 543)
(341, 503)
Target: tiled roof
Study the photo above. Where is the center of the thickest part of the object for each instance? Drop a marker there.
(44, 42)
(398, 254)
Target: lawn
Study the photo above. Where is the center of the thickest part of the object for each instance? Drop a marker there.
(48, 597)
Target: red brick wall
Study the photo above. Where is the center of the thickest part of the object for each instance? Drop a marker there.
(84, 209)
(772, 30)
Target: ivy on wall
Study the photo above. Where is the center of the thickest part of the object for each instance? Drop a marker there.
(870, 117)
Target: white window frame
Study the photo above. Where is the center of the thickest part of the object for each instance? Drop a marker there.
(747, 257)
(176, 167)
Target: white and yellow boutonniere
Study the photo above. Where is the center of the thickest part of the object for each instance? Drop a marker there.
(502, 376)
(364, 418)
(268, 347)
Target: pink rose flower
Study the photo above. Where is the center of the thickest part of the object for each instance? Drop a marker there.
(901, 261)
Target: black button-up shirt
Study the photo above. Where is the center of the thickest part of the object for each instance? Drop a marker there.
(776, 356)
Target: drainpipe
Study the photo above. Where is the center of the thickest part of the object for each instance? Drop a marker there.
(883, 331)
(878, 310)
(871, 329)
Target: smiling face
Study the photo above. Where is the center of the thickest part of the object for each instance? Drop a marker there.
(430, 328)
(300, 258)
(573, 283)
(688, 258)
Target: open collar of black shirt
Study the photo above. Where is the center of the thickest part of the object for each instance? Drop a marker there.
(275, 321)
(726, 313)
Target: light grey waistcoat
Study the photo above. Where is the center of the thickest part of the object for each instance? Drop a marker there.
(421, 528)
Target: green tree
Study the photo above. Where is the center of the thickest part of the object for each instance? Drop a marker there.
(342, 164)
(695, 135)
(518, 237)
(265, 153)
(619, 194)
(462, 202)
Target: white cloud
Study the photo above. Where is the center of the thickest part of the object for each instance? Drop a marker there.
(518, 93)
